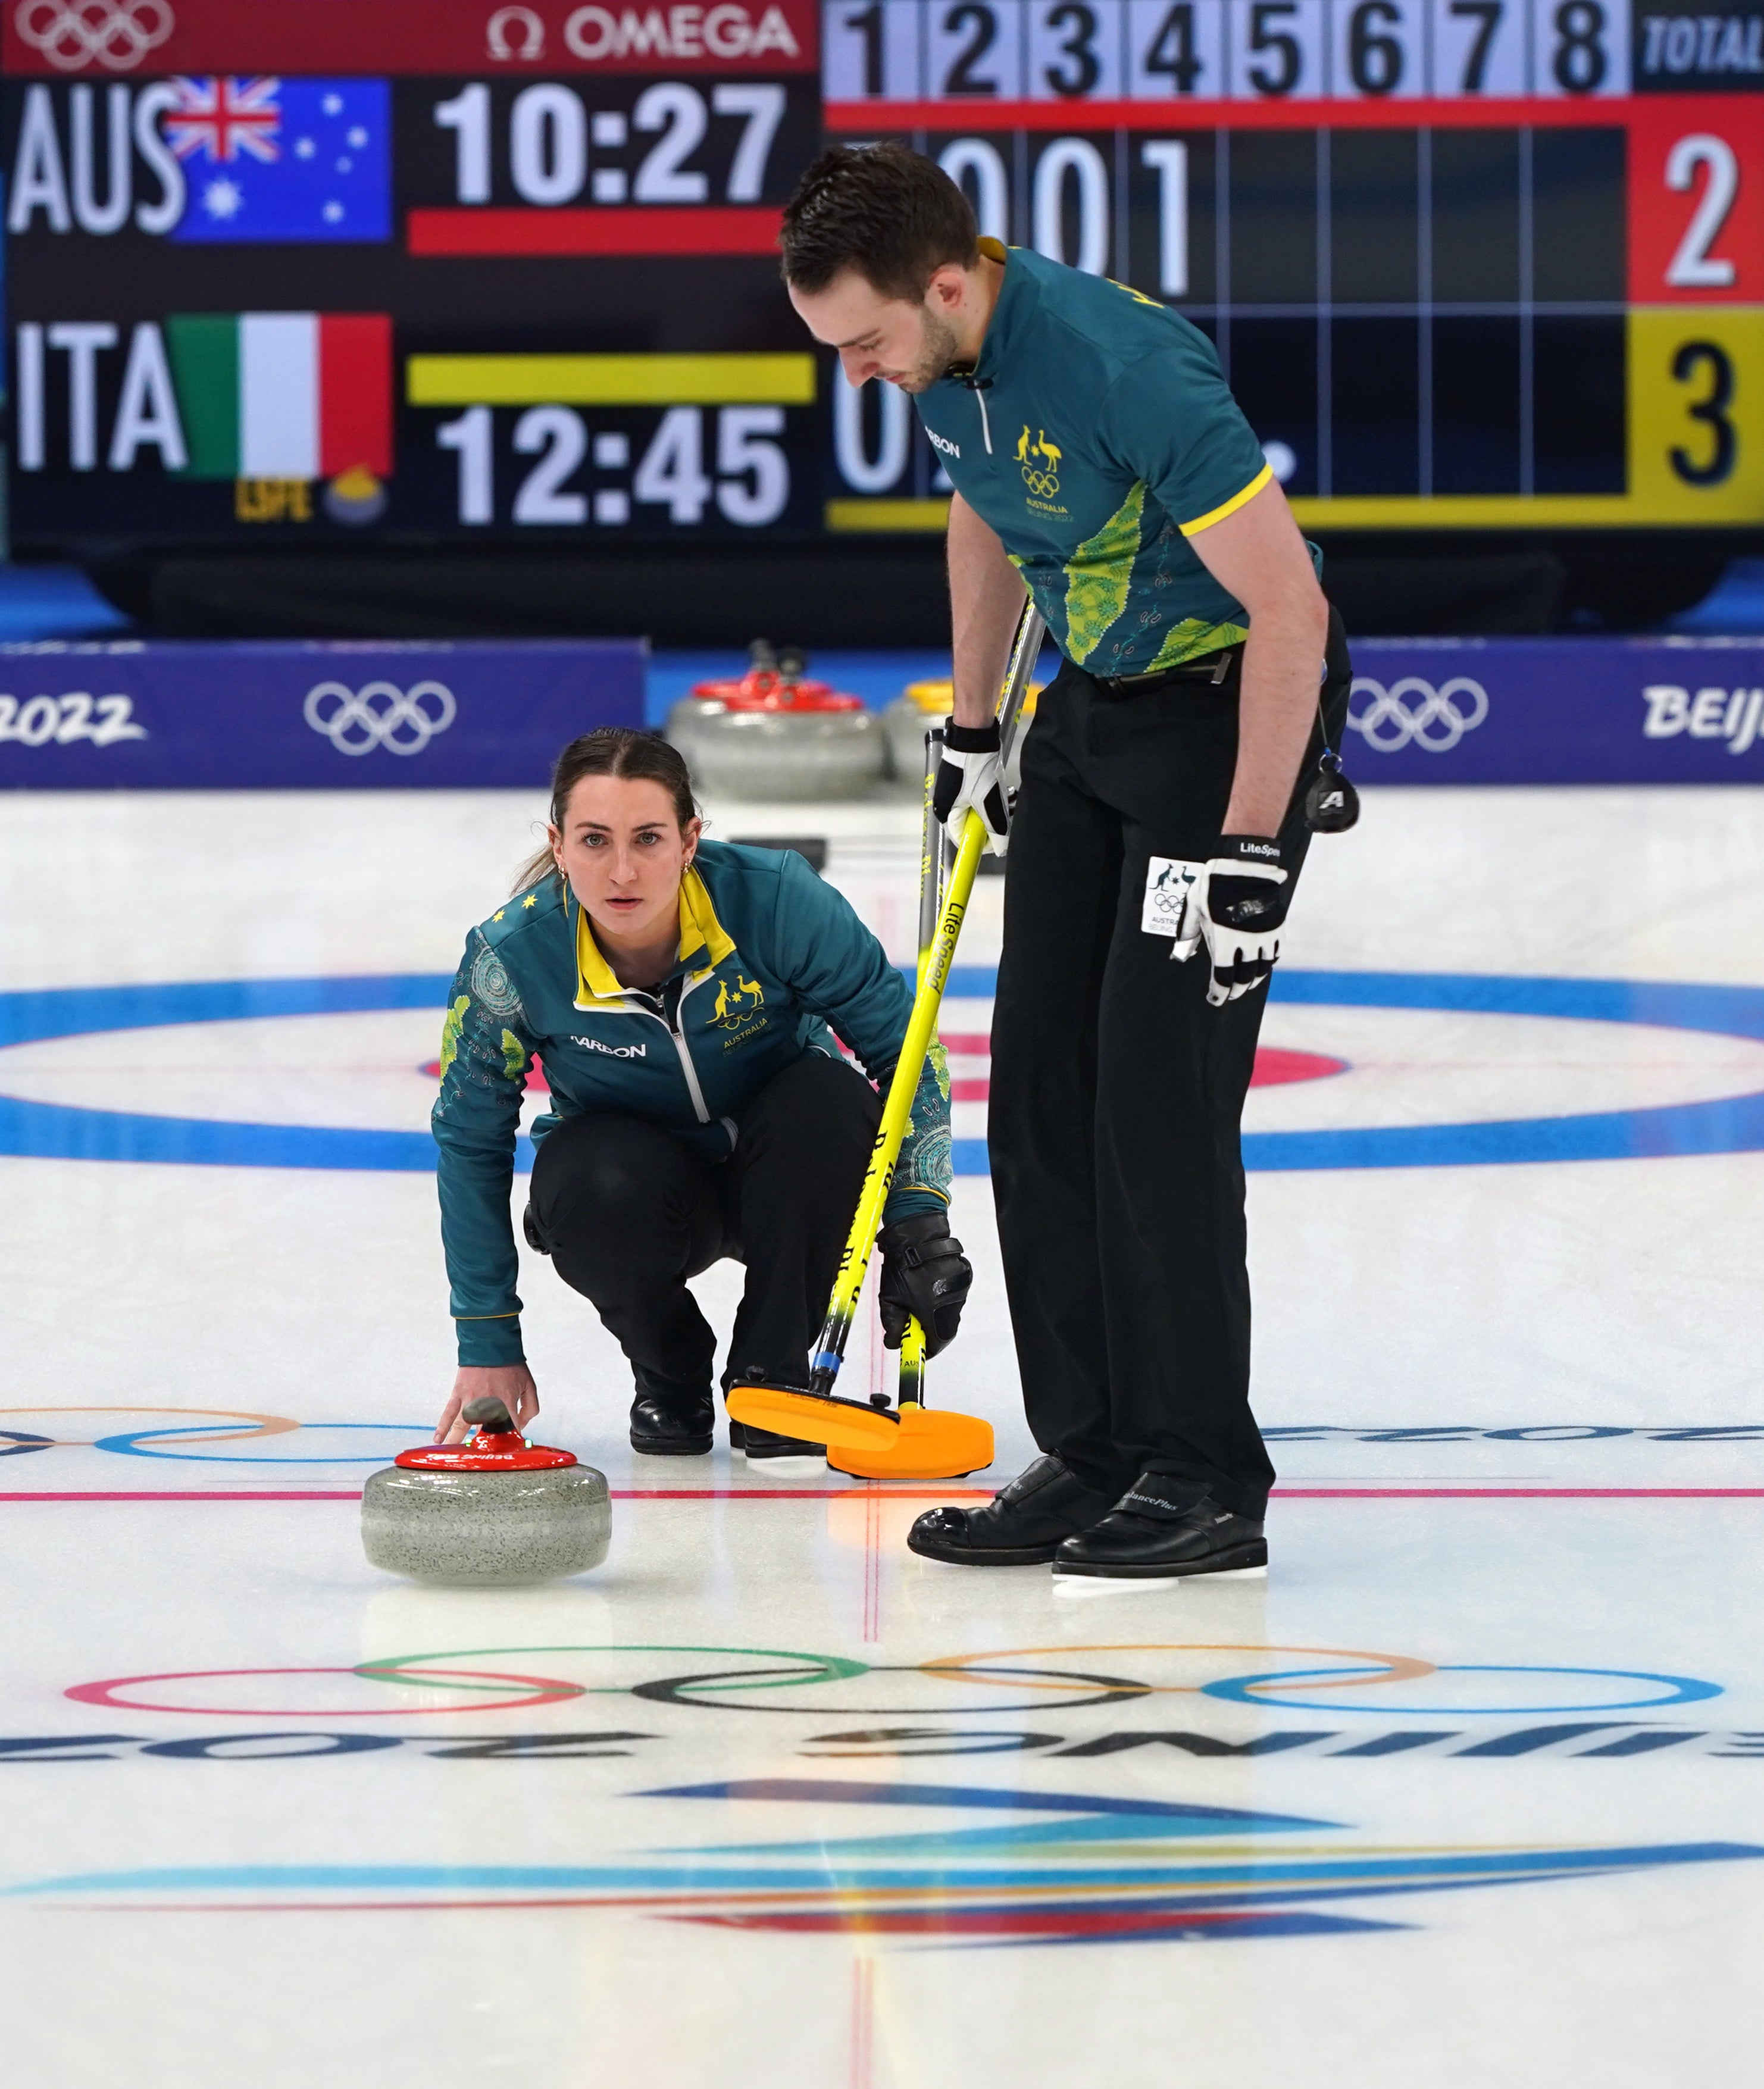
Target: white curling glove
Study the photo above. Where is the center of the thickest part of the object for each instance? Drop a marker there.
(1241, 900)
(971, 778)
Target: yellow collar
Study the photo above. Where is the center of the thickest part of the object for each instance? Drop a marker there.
(701, 932)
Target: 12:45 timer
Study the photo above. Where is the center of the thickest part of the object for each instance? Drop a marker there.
(551, 466)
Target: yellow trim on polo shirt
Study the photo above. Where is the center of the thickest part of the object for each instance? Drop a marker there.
(699, 926)
(595, 979)
(1229, 506)
(700, 930)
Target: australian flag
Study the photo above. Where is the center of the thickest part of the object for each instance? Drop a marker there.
(284, 159)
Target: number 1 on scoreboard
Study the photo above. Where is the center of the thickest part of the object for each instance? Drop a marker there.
(869, 50)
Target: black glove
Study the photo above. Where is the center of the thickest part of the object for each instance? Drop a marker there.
(972, 775)
(924, 1275)
(1243, 896)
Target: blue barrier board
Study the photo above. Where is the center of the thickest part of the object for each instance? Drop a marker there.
(135, 714)
(146, 714)
(1557, 711)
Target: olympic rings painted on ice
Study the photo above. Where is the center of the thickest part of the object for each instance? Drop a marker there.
(1397, 1668)
(375, 714)
(263, 1424)
(129, 1445)
(806, 1670)
(705, 1688)
(1680, 1690)
(1437, 721)
(1103, 1689)
(71, 33)
(540, 1692)
(14, 1443)
(811, 1668)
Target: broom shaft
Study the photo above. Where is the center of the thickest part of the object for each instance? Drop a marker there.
(897, 1112)
(921, 1027)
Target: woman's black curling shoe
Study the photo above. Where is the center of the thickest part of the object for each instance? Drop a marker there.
(1159, 1529)
(1023, 1526)
(663, 1425)
(766, 1443)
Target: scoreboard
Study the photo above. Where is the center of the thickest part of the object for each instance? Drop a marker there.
(413, 271)
(1467, 262)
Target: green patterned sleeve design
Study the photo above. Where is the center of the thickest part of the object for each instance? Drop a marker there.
(925, 1170)
(485, 1048)
(1099, 576)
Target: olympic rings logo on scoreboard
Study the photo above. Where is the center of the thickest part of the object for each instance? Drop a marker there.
(381, 714)
(71, 33)
(1412, 711)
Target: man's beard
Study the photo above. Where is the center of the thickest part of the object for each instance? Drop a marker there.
(939, 351)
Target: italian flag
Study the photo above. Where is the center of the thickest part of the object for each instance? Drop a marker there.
(283, 395)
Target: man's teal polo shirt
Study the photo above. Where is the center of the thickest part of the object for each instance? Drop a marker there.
(1095, 435)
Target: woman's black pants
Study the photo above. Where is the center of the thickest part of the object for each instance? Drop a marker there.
(628, 1212)
(1118, 1092)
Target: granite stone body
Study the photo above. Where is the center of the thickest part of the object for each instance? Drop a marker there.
(484, 1530)
(801, 756)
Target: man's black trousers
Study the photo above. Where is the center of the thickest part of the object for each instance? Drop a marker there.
(1117, 1092)
(627, 1213)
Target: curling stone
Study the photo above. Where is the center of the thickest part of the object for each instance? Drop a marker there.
(492, 1513)
(776, 733)
(923, 704)
(919, 706)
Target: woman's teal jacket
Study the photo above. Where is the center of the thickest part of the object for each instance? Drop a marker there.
(770, 958)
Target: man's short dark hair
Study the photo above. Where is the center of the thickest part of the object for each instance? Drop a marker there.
(892, 215)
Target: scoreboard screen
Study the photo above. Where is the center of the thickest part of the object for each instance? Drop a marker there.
(420, 270)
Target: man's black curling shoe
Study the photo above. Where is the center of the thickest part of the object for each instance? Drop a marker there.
(1158, 1530)
(1023, 1526)
(767, 1444)
(664, 1426)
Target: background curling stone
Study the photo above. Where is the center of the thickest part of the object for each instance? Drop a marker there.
(494, 1511)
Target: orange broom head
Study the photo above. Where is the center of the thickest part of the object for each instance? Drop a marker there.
(931, 1444)
(816, 1418)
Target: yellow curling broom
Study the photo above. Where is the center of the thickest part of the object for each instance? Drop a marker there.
(910, 1441)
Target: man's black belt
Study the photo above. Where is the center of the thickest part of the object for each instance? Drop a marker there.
(1207, 667)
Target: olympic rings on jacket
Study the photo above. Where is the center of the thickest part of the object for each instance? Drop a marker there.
(1436, 720)
(71, 33)
(376, 715)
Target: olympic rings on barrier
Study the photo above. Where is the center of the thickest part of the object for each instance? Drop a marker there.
(1680, 1690)
(71, 33)
(400, 710)
(540, 1692)
(129, 1445)
(265, 1425)
(1437, 723)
